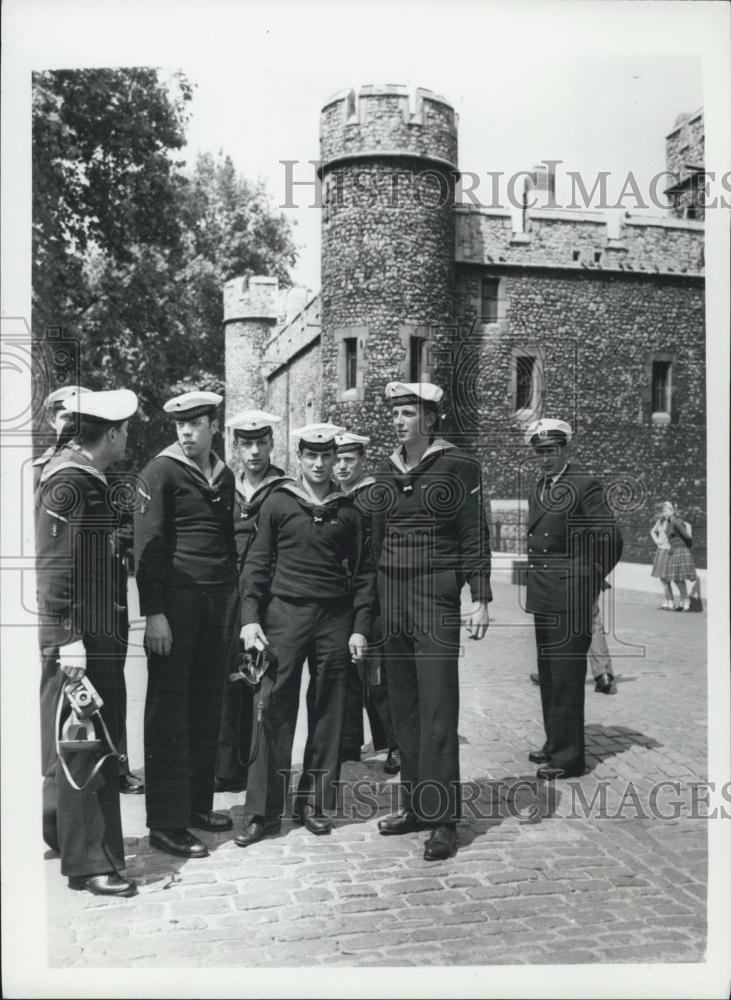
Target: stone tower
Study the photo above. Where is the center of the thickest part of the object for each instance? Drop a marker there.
(388, 170)
(250, 311)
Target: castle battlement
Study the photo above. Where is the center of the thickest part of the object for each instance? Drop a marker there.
(388, 122)
(580, 240)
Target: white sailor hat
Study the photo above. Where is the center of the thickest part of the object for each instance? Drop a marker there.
(193, 404)
(109, 406)
(351, 442)
(401, 393)
(57, 398)
(548, 431)
(317, 437)
(252, 424)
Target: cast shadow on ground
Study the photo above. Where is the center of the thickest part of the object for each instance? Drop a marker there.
(604, 742)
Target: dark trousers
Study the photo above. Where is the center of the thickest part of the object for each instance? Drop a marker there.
(237, 716)
(562, 644)
(316, 631)
(376, 703)
(421, 645)
(85, 827)
(183, 705)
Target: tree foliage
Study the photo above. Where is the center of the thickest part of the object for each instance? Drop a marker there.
(130, 250)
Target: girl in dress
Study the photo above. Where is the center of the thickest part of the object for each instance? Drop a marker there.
(680, 565)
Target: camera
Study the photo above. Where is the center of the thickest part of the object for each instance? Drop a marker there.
(251, 666)
(83, 698)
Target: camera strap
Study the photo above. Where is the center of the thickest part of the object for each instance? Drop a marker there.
(59, 753)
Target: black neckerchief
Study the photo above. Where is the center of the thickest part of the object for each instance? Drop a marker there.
(274, 476)
(321, 511)
(405, 477)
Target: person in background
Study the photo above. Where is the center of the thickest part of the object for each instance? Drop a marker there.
(659, 535)
(82, 604)
(186, 577)
(253, 440)
(573, 544)
(680, 565)
(350, 472)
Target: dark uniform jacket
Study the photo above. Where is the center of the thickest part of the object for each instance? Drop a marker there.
(183, 527)
(309, 551)
(246, 512)
(80, 576)
(573, 542)
(430, 518)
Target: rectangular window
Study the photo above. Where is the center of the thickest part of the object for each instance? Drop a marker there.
(416, 358)
(489, 299)
(351, 362)
(661, 386)
(525, 365)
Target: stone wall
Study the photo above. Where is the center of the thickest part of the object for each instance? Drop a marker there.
(595, 335)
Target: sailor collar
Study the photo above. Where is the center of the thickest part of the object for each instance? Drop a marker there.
(175, 452)
(71, 457)
(360, 485)
(438, 445)
(321, 509)
(273, 475)
(46, 456)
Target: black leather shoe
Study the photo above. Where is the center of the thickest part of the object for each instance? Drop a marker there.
(130, 784)
(535, 679)
(350, 753)
(403, 822)
(556, 773)
(538, 757)
(316, 822)
(181, 843)
(110, 884)
(442, 844)
(393, 762)
(214, 821)
(229, 785)
(256, 830)
(603, 683)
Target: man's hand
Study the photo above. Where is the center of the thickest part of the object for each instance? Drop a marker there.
(158, 637)
(253, 636)
(478, 620)
(73, 660)
(358, 645)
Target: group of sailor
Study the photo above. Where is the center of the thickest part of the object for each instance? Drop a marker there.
(358, 572)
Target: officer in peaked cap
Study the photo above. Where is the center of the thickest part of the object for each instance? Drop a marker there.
(186, 576)
(83, 633)
(429, 540)
(314, 602)
(60, 420)
(573, 543)
(350, 472)
(253, 433)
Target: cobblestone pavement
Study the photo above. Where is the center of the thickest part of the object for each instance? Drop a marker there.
(538, 878)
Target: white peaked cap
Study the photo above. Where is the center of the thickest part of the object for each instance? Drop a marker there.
(65, 392)
(414, 392)
(111, 405)
(318, 435)
(348, 440)
(196, 400)
(253, 421)
(548, 429)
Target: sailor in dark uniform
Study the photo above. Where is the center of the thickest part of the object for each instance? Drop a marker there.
(186, 576)
(83, 633)
(254, 439)
(573, 544)
(430, 537)
(314, 603)
(350, 473)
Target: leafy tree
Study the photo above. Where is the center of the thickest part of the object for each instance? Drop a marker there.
(135, 267)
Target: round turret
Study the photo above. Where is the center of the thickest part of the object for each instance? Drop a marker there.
(389, 167)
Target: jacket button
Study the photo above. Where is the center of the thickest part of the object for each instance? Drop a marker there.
(545, 534)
